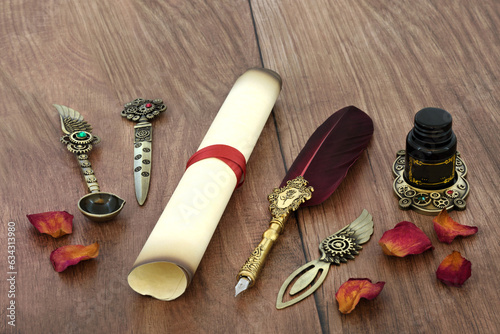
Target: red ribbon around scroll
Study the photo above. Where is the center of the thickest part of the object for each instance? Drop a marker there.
(228, 154)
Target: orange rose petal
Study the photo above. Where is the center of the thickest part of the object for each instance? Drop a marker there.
(353, 290)
(447, 229)
(54, 223)
(66, 256)
(404, 239)
(454, 270)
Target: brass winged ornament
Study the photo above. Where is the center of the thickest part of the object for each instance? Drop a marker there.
(78, 136)
(72, 120)
(336, 249)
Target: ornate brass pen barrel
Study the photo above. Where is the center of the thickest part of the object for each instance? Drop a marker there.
(252, 267)
(283, 201)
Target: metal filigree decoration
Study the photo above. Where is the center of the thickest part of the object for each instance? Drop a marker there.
(430, 202)
(78, 136)
(254, 261)
(79, 139)
(141, 110)
(336, 249)
(290, 197)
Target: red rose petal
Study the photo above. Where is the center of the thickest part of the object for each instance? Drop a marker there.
(66, 256)
(353, 290)
(404, 239)
(447, 229)
(54, 223)
(454, 270)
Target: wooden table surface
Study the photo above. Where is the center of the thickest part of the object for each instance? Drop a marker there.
(388, 58)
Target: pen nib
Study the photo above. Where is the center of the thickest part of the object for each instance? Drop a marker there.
(241, 286)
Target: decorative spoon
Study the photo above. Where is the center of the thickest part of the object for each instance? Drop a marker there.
(78, 138)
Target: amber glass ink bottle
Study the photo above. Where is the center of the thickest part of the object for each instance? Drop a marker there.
(431, 148)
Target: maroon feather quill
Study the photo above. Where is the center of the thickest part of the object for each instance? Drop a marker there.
(331, 151)
(323, 162)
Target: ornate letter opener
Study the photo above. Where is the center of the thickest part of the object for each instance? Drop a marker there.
(78, 138)
(335, 249)
(142, 111)
(323, 163)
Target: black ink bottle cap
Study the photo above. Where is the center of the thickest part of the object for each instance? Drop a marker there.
(431, 148)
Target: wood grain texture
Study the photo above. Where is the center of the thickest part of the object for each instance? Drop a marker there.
(390, 59)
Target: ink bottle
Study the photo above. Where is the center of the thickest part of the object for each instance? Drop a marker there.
(431, 150)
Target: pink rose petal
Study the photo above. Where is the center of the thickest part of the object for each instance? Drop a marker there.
(404, 239)
(454, 270)
(54, 223)
(66, 256)
(447, 229)
(353, 290)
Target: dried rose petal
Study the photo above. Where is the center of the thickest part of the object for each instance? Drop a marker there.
(404, 239)
(66, 256)
(447, 229)
(353, 290)
(54, 223)
(454, 270)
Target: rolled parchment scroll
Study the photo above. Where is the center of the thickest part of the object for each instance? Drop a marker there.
(173, 251)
